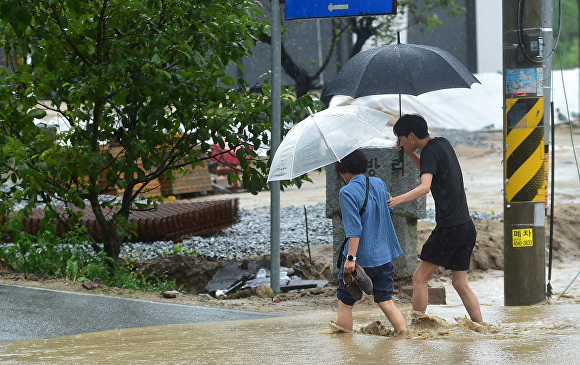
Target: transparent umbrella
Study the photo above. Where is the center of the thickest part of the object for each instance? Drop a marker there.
(324, 138)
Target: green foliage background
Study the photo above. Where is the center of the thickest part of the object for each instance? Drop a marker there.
(146, 77)
(567, 55)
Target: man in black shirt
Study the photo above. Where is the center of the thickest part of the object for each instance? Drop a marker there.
(453, 239)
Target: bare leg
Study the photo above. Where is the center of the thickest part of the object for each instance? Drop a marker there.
(459, 281)
(394, 315)
(421, 285)
(344, 316)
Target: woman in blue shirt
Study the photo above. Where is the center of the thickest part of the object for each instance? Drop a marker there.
(372, 242)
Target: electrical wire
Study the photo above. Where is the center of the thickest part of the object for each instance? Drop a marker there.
(552, 173)
(568, 114)
(571, 139)
(520, 29)
(560, 296)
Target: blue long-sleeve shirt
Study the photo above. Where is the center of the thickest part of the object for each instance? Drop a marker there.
(378, 240)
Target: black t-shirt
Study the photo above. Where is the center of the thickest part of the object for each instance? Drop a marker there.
(439, 159)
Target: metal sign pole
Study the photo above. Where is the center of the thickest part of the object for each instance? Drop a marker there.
(275, 142)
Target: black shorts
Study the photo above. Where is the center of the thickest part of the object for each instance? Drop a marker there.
(450, 247)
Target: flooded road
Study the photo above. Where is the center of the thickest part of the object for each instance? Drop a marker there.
(37, 313)
(545, 333)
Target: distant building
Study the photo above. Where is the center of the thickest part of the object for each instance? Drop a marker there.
(307, 41)
(473, 37)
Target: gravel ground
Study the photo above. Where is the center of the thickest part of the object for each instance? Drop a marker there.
(251, 236)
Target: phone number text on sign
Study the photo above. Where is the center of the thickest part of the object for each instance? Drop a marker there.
(522, 237)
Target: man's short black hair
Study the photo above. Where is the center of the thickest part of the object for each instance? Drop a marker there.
(355, 163)
(411, 123)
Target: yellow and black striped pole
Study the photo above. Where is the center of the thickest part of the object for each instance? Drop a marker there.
(524, 150)
(524, 153)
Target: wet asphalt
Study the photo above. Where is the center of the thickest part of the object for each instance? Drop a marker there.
(36, 313)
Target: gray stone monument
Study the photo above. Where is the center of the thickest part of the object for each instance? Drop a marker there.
(400, 178)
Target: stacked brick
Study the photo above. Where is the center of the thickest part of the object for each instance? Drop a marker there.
(170, 221)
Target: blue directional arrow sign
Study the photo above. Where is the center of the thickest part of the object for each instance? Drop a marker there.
(302, 9)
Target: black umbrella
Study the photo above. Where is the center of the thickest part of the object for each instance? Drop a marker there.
(410, 69)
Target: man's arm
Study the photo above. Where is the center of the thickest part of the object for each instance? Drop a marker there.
(352, 249)
(415, 159)
(419, 191)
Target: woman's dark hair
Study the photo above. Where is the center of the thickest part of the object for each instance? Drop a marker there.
(355, 163)
(411, 123)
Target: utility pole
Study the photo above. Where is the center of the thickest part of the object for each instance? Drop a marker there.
(527, 41)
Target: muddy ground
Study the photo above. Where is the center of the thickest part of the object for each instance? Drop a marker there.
(192, 273)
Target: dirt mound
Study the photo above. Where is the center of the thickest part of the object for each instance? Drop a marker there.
(566, 245)
(191, 272)
(194, 272)
(488, 253)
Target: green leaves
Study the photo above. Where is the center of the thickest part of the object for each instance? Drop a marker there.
(141, 88)
(228, 81)
(19, 16)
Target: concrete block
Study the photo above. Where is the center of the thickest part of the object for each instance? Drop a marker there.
(399, 179)
(436, 294)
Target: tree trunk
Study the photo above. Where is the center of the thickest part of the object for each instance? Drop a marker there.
(109, 238)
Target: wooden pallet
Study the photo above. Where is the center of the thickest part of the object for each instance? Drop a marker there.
(195, 180)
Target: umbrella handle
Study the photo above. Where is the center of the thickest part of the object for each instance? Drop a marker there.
(399, 163)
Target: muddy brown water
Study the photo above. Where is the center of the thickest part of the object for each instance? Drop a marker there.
(543, 333)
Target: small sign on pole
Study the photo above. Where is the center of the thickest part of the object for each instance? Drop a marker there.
(303, 9)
